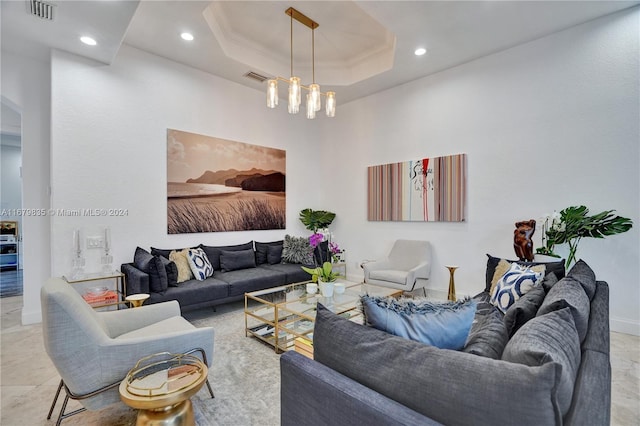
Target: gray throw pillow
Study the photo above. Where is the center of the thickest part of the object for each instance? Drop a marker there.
(523, 309)
(213, 252)
(424, 377)
(171, 269)
(153, 266)
(582, 273)
(549, 281)
(569, 293)
(488, 335)
(297, 250)
(234, 260)
(262, 250)
(550, 338)
(445, 325)
(274, 255)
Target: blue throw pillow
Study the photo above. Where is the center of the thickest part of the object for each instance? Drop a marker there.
(514, 284)
(445, 325)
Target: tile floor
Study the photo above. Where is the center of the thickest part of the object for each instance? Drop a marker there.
(28, 380)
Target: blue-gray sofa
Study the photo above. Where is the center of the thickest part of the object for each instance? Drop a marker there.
(554, 369)
(226, 285)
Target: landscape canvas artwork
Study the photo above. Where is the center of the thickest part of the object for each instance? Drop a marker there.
(217, 185)
(430, 190)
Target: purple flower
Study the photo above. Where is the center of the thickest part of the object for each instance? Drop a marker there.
(333, 247)
(315, 239)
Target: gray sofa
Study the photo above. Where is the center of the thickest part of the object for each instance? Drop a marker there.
(226, 285)
(553, 370)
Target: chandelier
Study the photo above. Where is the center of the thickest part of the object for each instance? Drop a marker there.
(313, 98)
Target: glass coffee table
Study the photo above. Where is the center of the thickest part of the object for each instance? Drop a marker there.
(282, 314)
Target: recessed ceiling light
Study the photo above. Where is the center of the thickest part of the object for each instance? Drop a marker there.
(187, 36)
(88, 40)
(420, 51)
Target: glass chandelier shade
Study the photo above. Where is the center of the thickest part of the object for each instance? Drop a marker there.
(272, 93)
(294, 95)
(330, 104)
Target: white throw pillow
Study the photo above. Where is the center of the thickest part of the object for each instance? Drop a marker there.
(199, 263)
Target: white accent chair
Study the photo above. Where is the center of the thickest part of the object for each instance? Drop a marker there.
(407, 267)
(94, 351)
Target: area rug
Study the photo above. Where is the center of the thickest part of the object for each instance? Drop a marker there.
(245, 373)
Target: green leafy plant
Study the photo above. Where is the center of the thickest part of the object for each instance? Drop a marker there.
(573, 223)
(324, 273)
(316, 219)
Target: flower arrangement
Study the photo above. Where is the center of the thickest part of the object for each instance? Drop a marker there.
(324, 273)
(335, 251)
(573, 223)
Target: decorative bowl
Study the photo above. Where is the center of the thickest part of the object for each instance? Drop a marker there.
(97, 291)
(339, 288)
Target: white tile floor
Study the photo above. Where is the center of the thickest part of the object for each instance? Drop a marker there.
(28, 380)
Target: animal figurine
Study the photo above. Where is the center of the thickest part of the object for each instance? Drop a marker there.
(522, 243)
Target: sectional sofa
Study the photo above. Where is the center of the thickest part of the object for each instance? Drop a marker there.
(237, 269)
(554, 369)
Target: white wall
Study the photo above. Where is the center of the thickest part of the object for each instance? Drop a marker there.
(109, 141)
(26, 84)
(545, 125)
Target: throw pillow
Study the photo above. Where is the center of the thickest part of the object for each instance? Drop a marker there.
(274, 255)
(199, 263)
(492, 262)
(444, 325)
(182, 264)
(568, 293)
(172, 271)
(524, 309)
(513, 285)
(582, 273)
(296, 250)
(488, 335)
(234, 260)
(550, 338)
(504, 266)
(213, 252)
(151, 265)
(549, 281)
(262, 250)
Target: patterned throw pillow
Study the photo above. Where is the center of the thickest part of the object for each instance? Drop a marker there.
(515, 283)
(297, 250)
(199, 263)
(504, 266)
(182, 263)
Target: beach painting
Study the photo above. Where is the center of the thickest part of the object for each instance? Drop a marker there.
(219, 185)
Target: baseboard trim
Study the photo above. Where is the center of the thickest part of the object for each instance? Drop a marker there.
(624, 326)
(32, 317)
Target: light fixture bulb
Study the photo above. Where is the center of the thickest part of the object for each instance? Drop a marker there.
(187, 36)
(314, 90)
(294, 95)
(330, 104)
(420, 51)
(88, 40)
(272, 93)
(311, 107)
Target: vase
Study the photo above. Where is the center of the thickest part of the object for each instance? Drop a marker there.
(452, 285)
(326, 288)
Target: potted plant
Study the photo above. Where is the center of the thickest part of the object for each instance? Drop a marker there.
(572, 224)
(316, 219)
(325, 276)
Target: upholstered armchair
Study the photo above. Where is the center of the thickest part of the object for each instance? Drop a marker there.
(93, 351)
(407, 266)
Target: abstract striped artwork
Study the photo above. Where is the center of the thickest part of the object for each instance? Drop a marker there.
(429, 190)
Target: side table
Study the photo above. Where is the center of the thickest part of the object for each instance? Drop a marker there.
(161, 390)
(137, 300)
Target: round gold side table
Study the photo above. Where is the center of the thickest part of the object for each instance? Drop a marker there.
(160, 390)
(137, 300)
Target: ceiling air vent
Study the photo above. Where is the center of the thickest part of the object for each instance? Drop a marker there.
(255, 76)
(41, 9)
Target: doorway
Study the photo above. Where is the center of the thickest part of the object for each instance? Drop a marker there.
(11, 281)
